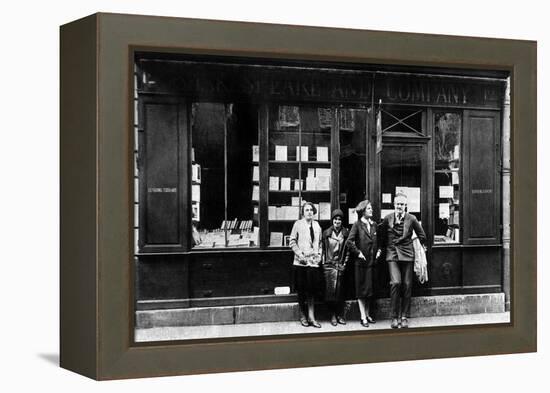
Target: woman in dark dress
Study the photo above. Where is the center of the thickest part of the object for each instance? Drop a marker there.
(362, 245)
(334, 261)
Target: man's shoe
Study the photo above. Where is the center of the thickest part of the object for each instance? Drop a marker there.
(404, 323)
(315, 324)
(333, 321)
(341, 320)
(394, 323)
(371, 319)
(304, 322)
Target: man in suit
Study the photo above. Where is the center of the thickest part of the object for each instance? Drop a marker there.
(395, 234)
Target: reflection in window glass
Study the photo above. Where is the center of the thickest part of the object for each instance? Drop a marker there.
(224, 178)
(447, 128)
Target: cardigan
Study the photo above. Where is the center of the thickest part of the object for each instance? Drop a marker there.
(300, 241)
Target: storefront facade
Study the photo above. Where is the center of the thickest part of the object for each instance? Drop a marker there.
(227, 150)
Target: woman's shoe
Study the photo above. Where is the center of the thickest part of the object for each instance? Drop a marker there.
(304, 322)
(315, 324)
(341, 320)
(364, 323)
(371, 319)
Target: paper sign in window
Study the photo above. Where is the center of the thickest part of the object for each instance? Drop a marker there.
(444, 210)
(454, 175)
(302, 153)
(413, 199)
(446, 191)
(285, 183)
(273, 183)
(280, 153)
(322, 153)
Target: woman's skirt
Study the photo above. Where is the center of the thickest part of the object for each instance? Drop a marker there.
(363, 280)
(308, 280)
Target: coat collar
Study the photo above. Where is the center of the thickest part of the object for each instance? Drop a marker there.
(363, 226)
(331, 232)
(406, 221)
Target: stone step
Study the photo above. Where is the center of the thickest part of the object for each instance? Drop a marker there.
(424, 306)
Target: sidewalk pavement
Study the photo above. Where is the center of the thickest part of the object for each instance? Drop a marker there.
(294, 327)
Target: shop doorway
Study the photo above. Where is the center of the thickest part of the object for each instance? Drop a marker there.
(401, 166)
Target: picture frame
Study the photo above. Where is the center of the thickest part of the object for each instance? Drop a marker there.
(97, 241)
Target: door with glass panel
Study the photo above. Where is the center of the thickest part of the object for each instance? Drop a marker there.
(402, 169)
(402, 158)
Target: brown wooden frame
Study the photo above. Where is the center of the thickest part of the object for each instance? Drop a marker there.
(96, 316)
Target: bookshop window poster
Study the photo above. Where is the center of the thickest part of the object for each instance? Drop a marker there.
(279, 197)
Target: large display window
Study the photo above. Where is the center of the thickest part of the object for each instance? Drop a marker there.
(447, 177)
(225, 176)
(299, 166)
(353, 163)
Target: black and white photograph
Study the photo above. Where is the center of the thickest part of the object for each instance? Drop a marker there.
(278, 196)
(293, 197)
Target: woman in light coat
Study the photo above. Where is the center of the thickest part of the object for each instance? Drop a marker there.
(305, 241)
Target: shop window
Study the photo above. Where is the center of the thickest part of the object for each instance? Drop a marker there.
(299, 166)
(353, 160)
(447, 177)
(224, 176)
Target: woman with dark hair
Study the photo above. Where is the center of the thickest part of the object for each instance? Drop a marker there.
(362, 245)
(305, 241)
(334, 261)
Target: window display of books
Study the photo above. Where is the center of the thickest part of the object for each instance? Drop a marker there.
(255, 186)
(232, 233)
(447, 229)
(276, 239)
(447, 160)
(299, 166)
(283, 213)
(302, 154)
(318, 181)
(195, 188)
